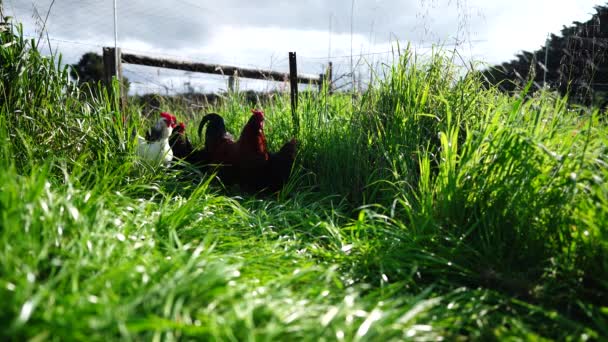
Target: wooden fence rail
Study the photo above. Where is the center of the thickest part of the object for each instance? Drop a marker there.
(217, 69)
(113, 59)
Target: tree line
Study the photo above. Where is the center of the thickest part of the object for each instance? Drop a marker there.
(573, 63)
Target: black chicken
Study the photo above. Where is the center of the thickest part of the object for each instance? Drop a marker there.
(179, 142)
(216, 133)
(220, 150)
(280, 165)
(274, 174)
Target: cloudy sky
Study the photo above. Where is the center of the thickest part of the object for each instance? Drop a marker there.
(260, 33)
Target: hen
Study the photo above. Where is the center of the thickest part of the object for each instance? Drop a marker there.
(260, 170)
(253, 153)
(154, 148)
(279, 167)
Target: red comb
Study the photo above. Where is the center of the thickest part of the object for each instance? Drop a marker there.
(258, 113)
(170, 118)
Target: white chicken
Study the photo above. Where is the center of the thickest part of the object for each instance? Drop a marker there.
(154, 148)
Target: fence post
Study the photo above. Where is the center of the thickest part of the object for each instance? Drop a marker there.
(321, 82)
(233, 81)
(329, 76)
(371, 76)
(112, 67)
(293, 85)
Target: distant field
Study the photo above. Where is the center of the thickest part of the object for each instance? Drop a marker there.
(427, 208)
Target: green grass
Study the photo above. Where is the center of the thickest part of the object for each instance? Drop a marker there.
(426, 208)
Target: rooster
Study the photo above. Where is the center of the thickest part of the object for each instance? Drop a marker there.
(219, 144)
(247, 161)
(238, 161)
(154, 148)
(179, 142)
(220, 149)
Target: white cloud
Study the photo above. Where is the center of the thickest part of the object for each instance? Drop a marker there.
(261, 33)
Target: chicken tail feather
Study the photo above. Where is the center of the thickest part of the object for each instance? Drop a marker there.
(216, 127)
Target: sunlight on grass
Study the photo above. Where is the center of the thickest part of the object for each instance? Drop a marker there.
(429, 207)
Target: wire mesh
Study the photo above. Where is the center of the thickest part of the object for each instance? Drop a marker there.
(75, 27)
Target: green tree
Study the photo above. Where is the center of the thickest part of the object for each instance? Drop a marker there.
(576, 62)
(89, 70)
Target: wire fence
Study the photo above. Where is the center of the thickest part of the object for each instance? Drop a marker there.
(75, 27)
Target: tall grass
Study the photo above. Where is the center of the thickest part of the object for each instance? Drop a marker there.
(428, 207)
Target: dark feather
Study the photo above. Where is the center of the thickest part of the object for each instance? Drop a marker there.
(220, 152)
(280, 165)
(155, 132)
(216, 130)
(180, 144)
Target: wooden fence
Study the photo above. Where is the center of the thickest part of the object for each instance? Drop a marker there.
(113, 60)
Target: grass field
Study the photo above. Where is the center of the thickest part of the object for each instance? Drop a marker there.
(427, 208)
